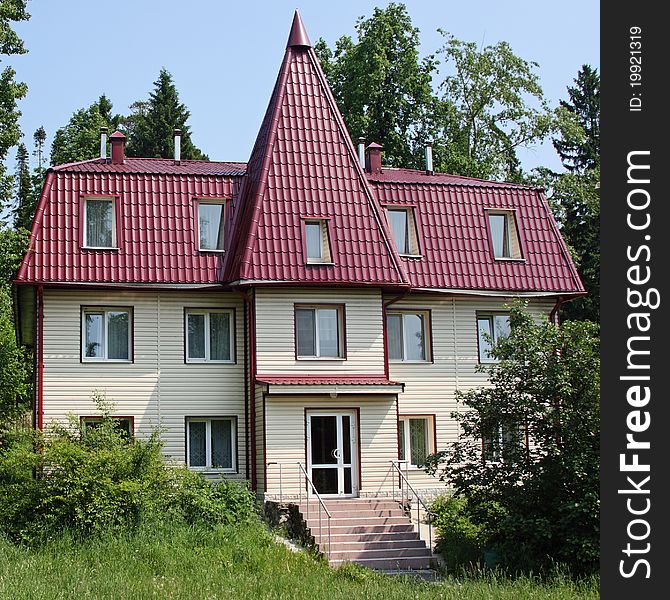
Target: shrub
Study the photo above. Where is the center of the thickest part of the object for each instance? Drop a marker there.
(91, 480)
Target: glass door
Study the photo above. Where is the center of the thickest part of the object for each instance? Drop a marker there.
(331, 456)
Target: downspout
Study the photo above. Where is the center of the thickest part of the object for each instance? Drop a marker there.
(252, 388)
(554, 315)
(247, 429)
(39, 359)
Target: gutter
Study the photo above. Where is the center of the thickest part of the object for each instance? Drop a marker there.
(554, 315)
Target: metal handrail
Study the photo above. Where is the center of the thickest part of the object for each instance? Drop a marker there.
(314, 490)
(396, 466)
(318, 497)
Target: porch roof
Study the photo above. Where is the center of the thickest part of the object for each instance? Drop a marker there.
(324, 384)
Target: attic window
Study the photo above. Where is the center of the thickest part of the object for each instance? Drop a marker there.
(404, 231)
(99, 223)
(211, 225)
(317, 244)
(504, 235)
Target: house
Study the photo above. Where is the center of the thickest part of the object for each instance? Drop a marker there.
(309, 312)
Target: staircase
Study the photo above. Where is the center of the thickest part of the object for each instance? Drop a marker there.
(374, 533)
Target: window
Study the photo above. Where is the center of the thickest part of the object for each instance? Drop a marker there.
(504, 238)
(408, 336)
(210, 335)
(490, 328)
(419, 430)
(319, 331)
(99, 223)
(317, 243)
(404, 230)
(210, 225)
(106, 334)
(500, 441)
(210, 443)
(125, 424)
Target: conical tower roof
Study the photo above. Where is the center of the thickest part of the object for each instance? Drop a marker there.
(304, 166)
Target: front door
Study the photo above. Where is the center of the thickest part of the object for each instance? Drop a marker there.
(331, 453)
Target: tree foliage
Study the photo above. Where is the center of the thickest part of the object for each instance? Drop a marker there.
(381, 86)
(153, 122)
(80, 138)
(578, 143)
(11, 11)
(539, 469)
(24, 208)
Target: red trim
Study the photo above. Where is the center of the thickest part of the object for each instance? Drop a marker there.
(247, 422)
(40, 358)
(252, 389)
(265, 447)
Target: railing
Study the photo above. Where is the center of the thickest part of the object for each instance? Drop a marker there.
(405, 485)
(309, 485)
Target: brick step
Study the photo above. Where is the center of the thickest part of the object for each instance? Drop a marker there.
(387, 564)
(352, 505)
(349, 529)
(370, 554)
(360, 512)
(314, 521)
(389, 536)
(357, 545)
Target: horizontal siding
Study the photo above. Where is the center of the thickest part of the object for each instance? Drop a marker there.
(158, 389)
(430, 388)
(276, 335)
(285, 440)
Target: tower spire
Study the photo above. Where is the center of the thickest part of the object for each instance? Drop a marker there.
(298, 35)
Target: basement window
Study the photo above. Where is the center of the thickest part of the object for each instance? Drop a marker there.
(416, 438)
(125, 424)
(317, 243)
(403, 227)
(210, 443)
(504, 235)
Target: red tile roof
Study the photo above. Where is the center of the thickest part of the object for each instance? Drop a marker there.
(454, 237)
(325, 380)
(304, 165)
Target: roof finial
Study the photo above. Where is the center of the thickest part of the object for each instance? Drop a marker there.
(298, 35)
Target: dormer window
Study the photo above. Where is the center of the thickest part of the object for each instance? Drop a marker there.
(99, 223)
(504, 236)
(317, 243)
(404, 231)
(211, 225)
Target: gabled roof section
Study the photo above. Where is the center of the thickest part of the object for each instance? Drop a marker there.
(304, 165)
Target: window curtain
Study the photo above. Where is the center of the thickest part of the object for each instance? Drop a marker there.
(117, 335)
(222, 444)
(99, 223)
(219, 336)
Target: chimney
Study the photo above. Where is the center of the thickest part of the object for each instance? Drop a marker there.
(429, 158)
(103, 143)
(373, 158)
(361, 151)
(118, 141)
(177, 146)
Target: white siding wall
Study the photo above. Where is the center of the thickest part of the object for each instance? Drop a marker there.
(285, 437)
(158, 388)
(430, 387)
(275, 331)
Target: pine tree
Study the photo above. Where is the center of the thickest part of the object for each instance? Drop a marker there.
(40, 138)
(24, 210)
(153, 124)
(579, 147)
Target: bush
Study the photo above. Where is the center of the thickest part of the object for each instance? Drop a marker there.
(465, 531)
(91, 480)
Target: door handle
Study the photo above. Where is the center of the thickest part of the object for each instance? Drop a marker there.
(335, 453)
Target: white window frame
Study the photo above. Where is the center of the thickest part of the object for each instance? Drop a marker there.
(111, 199)
(324, 240)
(317, 346)
(219, 202)
(207, 312)
(404, 423)
(208, 444)
(104, 311)
(411, 232)
(426, 336)
(490, 316)
(511, 241)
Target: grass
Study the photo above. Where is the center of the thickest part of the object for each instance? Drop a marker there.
(228, 562)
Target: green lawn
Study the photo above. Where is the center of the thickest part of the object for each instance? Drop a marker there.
(231, 563)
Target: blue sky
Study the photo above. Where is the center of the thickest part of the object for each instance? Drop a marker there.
(224, 56)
